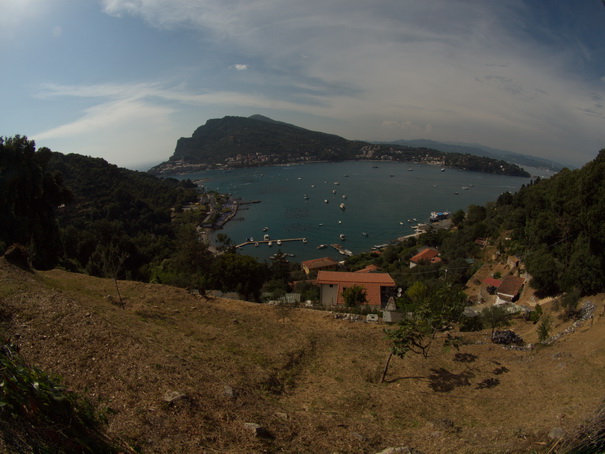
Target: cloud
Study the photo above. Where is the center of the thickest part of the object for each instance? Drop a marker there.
(467, 69)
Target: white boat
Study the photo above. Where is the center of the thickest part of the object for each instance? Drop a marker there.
(278, 242)
(265, 229)
(333, 191)
(326, 201)
(304, 240)
(256, 244)
(322, 246)
(306, 197)
(342, 236)
(266, 237)
(344, 196)
(443, 169)
(270, 243)
(342, 206)
(364, 233)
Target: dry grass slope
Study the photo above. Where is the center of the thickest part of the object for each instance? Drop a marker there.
(308, 379)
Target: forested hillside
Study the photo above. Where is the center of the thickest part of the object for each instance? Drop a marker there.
(556, 226)
(260, 141)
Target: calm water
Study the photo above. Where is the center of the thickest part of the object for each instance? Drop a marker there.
(379, 201)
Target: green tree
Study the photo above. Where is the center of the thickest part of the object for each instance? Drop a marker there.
(29, 197)
(239, 273)
(544, 328)
(495, 317)
(354, 296)
(437, 308)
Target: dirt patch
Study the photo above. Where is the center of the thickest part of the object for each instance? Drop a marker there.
(309, 380)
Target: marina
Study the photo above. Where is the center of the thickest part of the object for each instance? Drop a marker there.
(297, 202)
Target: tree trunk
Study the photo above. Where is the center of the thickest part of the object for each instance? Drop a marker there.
(115, 280)
(386, 368)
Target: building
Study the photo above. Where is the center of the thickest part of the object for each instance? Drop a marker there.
(378, 287)
(509, 290)
(324, 263)
(427, 255)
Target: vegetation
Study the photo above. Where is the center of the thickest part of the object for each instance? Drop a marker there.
(29, 196)
(38, 413)
(258, 140)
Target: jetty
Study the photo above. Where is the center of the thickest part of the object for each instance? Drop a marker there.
(255, 242)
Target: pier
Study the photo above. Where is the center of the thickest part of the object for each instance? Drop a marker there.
(255, 242)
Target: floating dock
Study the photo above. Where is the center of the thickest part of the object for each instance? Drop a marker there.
(283, 240)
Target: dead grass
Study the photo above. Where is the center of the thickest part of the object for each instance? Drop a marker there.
(309, 379)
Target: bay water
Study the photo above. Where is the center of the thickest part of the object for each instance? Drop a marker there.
(382, 200)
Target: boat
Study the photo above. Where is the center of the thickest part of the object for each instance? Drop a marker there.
(337, 183)
(342, 236)
(342, 206)
(312, 185)
(320, 225)
(322, 246)
(304, 240)
(326, 201)
(265, 229)
(266, 237)
(333, 191)
(465, 188)
(306, 197)
(364, 233)
(439, 215)
(344, 196)
(401, 222)
(443, 169)
(270, 243)
(278, 242)
(410, 169)
(256, 244)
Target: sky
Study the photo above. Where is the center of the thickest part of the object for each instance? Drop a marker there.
(125, 79)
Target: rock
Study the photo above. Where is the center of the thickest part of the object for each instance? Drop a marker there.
(281, 415)
(359, 436)
(173, 396)
(506, 337)
(556, 433)
(228, 391)
(400, 450)
(256, 429)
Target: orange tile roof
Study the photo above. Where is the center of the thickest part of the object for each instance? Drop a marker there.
(330, 277)
(367, 269)
(370, 281)
(427, 254)
(319, 263)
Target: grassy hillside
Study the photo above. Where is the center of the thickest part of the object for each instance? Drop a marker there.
(308, 379)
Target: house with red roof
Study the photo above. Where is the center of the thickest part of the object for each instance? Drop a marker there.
(378, 287)
(427, 255)
(324, 263)
(509, 290)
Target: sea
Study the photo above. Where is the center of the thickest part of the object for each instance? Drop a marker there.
(382, 201)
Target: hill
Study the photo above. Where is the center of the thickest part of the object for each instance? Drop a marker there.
(174, 372)
(480, 150)
(258, 140)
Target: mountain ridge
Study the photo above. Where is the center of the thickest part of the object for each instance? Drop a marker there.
(258, 140)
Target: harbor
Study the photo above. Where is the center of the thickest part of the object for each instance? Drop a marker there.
(379, 208)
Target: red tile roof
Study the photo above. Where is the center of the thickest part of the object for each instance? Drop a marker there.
(511, 285)
(319, 263)
(492, 282)
(370, 281)
(428, 255)
(368, 269)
